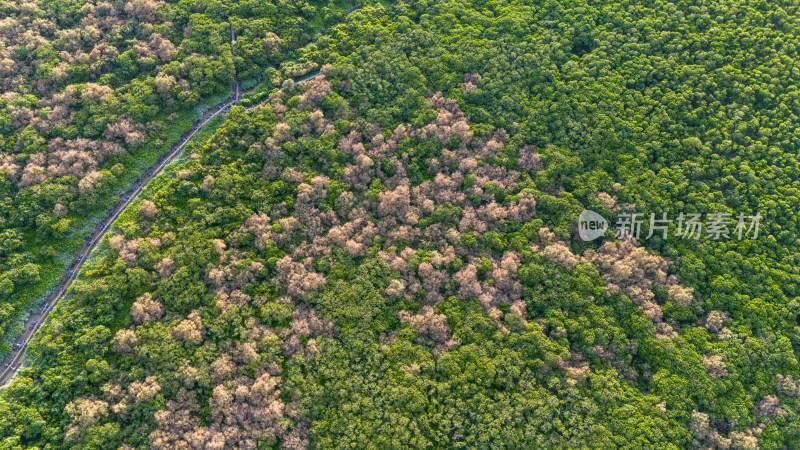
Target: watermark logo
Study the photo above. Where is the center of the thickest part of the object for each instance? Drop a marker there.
(716, 226)
(591, 225)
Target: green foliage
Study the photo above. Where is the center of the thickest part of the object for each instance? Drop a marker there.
(359, 255)
(95, 107)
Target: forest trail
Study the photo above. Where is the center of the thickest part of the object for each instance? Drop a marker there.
(12, 362)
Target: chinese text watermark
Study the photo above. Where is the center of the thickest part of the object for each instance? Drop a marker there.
(713, 226)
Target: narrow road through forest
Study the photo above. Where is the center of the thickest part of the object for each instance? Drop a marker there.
(12, 362)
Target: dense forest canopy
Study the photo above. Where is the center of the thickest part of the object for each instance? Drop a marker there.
(387, 255)
(94, 91)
